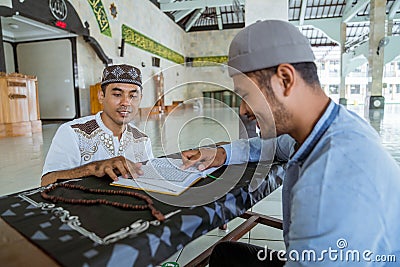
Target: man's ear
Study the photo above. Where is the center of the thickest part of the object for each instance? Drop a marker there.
(286, 75)
(100, 96)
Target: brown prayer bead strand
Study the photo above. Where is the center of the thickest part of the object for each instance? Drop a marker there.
(157, 214)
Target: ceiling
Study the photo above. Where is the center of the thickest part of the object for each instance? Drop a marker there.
(205, 15)
(21, 29)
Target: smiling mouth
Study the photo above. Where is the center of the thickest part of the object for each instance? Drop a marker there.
(124, 112)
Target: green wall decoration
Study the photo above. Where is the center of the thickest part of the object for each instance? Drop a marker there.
(101, 16)
(141, 41)
(209, 61)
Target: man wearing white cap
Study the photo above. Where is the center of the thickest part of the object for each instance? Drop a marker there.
(340, 194)
(105, 143)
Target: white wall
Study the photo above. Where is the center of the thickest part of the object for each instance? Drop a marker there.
(203, 44)
(90, 69)
(54, 73)
(143, 17)
(209, 43)
(147, 19)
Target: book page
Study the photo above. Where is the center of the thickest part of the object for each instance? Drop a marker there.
(164, 175)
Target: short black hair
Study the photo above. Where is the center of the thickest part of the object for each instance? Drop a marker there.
(103, 88)
(308, 71)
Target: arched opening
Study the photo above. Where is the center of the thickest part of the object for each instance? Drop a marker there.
(38, 37)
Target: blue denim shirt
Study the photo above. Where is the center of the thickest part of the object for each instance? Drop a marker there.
(341, 192)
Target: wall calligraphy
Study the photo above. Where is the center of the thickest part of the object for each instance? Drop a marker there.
(101, 16)
(209, 61)
(143, 42)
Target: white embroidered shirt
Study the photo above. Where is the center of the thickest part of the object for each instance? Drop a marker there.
(87, 139)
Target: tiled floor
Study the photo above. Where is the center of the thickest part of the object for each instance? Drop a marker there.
(22, 159)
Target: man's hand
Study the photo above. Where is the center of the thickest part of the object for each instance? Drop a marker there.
(203, 158)
(112, 167)
(115, 167)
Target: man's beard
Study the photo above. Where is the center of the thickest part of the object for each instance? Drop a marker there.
(278, 121)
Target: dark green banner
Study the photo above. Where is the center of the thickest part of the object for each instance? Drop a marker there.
(143, 42)
(101, 16)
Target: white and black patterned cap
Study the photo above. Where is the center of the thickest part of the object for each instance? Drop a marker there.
(266, 44)
(121, 74)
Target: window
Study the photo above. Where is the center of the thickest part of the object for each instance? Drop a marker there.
(354, 89)
(334, 89)
(334, 66)
(397, 88)
(387, 88)
(334, 62)
(155, 61)
(389, 67)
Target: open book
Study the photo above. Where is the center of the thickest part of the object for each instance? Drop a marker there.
(164, 175)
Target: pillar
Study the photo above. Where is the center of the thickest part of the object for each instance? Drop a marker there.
(375, 100)
(342, 87)
(2, 55)
(390, 33)
(389, 28)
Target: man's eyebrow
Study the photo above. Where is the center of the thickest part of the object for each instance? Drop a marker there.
(120, 90)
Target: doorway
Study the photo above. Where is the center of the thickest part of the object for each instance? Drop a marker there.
(49, 53)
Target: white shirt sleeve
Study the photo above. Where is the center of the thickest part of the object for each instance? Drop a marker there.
(149, 150)
(64, 151)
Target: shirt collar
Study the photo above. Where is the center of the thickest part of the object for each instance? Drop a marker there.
(104, 127)
(319, 129)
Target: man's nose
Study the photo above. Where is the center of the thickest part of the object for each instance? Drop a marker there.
(125, 100)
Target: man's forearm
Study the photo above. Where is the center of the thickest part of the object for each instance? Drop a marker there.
(77, 172)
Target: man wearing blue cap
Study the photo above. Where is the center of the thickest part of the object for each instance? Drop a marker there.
(340, 194)
(105, 143)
